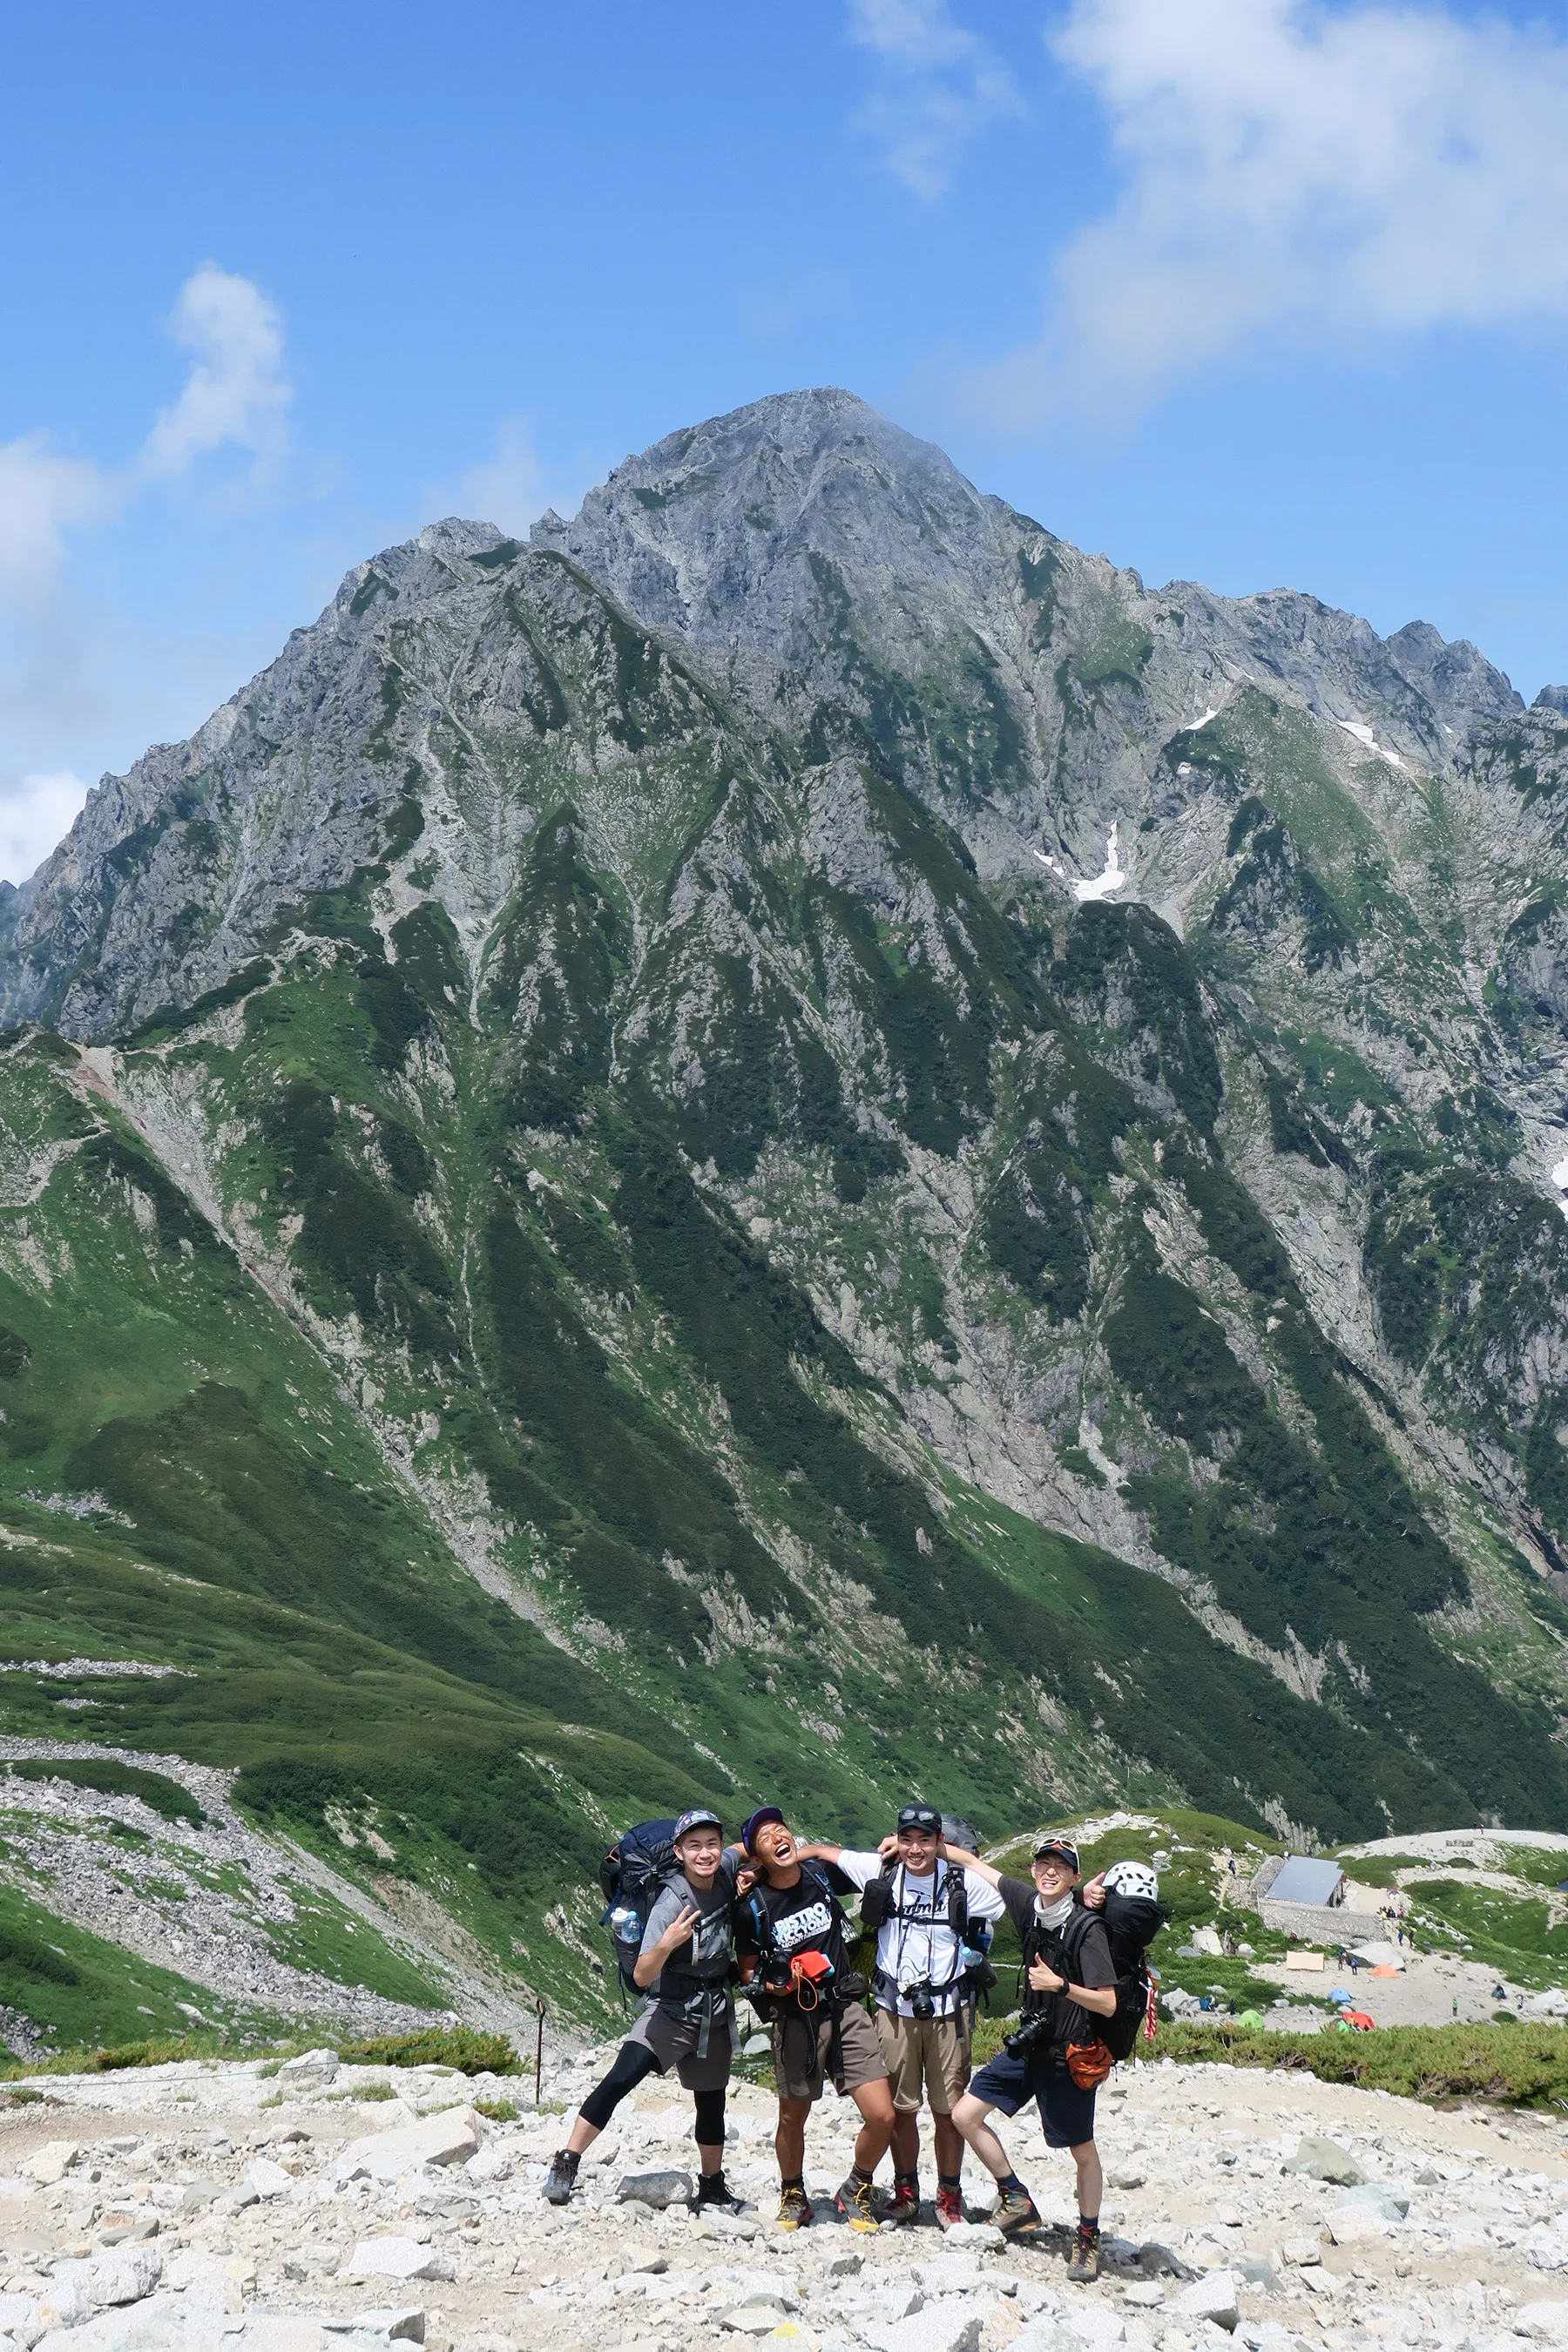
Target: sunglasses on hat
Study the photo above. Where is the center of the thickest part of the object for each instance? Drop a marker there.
(921, 1817)
(1059, 1850)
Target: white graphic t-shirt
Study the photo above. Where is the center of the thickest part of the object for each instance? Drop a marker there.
(915, 1944)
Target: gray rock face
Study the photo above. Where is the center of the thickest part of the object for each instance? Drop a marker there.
(818, 559)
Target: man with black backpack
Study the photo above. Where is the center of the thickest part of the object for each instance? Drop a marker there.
(684, 1966)
(794, 1960)
(921, 1909)
(1058, 2056)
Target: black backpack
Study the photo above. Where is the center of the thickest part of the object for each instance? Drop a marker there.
(635, 1872)
(1132, 1924)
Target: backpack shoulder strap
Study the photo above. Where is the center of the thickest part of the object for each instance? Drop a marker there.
(817, 1877)
(1073, 1933)
(957, 1889)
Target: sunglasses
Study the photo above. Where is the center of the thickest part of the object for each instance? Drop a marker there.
(921, 1817)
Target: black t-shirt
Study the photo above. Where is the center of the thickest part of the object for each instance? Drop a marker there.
(799, 1918)
(1091, 1965)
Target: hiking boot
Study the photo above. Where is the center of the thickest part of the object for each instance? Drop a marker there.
(794, 2210)
(1084, 2267)
(857, 2201)
(714, 2194)
(899, 2205)
(562, 2178)
(949, 2208)
(1017, 2215)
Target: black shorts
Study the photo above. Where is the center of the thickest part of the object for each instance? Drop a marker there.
(1067, 2112)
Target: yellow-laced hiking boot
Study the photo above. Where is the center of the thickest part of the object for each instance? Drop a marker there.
(794, 2210)
(857, 2201)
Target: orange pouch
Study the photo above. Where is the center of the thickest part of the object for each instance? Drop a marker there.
(1088, 2064)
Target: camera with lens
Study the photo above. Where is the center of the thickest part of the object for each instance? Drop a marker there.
(920, 1998)
(1034, 2029)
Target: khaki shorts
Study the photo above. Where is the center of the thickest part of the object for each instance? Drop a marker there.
(928, 2051)
(674, 2043)
(859, 2054)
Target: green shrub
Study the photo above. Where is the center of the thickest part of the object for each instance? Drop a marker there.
(110, 1779)
(1525, 2065)
(469, 2052)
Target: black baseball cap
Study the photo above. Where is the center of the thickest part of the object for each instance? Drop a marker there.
(1063, 1848)
(754, 1821)
(921, 1817)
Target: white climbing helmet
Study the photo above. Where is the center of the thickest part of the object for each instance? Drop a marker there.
(1134, 1878)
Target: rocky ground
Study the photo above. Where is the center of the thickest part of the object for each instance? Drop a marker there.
(186, 2208)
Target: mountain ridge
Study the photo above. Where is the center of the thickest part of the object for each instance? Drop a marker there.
(596, 1078)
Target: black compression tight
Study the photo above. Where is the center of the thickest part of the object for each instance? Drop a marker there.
(710, 2129)
(634, 2061)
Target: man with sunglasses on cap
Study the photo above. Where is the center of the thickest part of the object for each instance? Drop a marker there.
(789, 1932)
(924, 2013)
(1072, 1981)
(684, 1967)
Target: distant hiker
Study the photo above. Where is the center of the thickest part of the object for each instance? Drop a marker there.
(794, 1960)
(1072, 1981)
(921, 1907)
(684, 1967)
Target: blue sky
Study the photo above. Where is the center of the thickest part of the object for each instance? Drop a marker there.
(1250, 291)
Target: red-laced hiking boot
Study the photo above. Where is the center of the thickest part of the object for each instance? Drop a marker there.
(1084, 2267)
(901, 2204)
(949, 2207)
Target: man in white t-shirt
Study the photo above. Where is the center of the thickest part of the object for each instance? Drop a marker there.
(924, 2015)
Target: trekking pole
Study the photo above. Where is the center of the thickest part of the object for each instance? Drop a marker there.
(538, 2054)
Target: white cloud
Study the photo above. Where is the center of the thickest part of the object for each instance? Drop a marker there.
(76, 681)
(511, 489)
(939, 84)
(35, 814)
(237, 393)
(1297, 174)
(42, 496)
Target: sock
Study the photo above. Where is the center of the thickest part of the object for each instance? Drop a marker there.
(1087, 2228)
(1010, 2185)
(793, 2181)
(858, 2172)
(907, 2179)
(947, 2181)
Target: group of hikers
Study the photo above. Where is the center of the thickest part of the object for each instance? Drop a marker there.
(768, 1914)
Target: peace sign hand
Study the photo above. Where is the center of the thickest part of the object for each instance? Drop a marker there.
(679, 1929)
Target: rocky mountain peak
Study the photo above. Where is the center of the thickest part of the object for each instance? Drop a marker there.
(807, 1056)
(728, 531)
